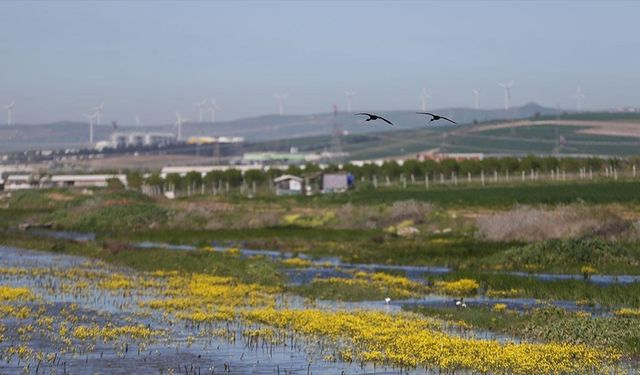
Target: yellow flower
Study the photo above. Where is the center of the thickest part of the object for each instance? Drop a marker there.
(499, 307)
(462, 287)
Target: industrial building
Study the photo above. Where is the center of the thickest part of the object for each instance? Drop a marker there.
(27, 181)
(137, 139)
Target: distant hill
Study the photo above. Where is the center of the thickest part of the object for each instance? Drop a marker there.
(599, 134)
(291, 126)
(67, 134)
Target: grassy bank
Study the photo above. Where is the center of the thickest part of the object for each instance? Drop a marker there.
(510, 286)
(353, 246)
(550, 325)
(260, 271)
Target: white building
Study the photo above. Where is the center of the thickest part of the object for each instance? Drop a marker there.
(89, 180)
(24, 181)
(137, 139)
(21, 182)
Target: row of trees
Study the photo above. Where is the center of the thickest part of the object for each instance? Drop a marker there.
(390, 169)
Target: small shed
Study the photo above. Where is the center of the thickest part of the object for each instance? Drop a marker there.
(288, 185)
(337, 182)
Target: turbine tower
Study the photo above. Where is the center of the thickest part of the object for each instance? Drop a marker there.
(98, 111)
(350, 95)
(423, 99)
(337, 133)
(179, 121)
(579, 95)
(138, 122)
(212, 107)
(281, 98)
(91, 117)
(10, 113)
(476, 99)
(201, 107)
(507, 93)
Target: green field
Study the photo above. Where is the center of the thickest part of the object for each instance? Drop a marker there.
(538, 139)
(498, 196)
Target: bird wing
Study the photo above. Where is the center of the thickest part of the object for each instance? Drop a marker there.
(444, 118)
(425, 113)
(385, 120)
(364, 113)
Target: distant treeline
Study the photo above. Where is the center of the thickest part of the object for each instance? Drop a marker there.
(393, 170)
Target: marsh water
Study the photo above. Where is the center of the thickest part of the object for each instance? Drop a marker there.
(178, 352)
(170, 354)
(175, 352)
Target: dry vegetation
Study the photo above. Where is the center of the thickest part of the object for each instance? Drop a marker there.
(211, 214)
(525, 223)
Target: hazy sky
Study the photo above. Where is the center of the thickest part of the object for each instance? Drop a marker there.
(57, 59)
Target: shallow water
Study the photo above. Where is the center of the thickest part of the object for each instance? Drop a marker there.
(596, 279)
(412, 272)
(62, 234)
(210, 354)
(518, 304)
(169, 354)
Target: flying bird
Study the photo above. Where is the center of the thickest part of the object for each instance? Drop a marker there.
(436, 117)
(375, 117)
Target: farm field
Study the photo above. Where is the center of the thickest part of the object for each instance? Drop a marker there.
(361, 282)
(595, 134)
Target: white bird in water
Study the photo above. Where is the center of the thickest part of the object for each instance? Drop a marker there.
(460, 303)
(387, 300)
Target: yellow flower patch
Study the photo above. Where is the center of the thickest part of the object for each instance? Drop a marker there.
(462, 287)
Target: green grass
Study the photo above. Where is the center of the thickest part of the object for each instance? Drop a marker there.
(340, 291)
(40, 199)
(550, 325)
(354, 246)
(266, 238)
(569, 255)
(550, 133)
(259, 271)
(495, 196)
(109, 211)
(566, 290)
(454, 252)
(471, 196)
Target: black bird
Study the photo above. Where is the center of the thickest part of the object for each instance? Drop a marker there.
(436, 117)
(375, 117)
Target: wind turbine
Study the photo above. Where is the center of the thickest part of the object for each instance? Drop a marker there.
(98, 111)
(579, 98)
(507, 93)
(476, 99)
(138, 122)
(212, 107)
(179, 121)
(10, 113)
(281, 98)
(201, 107)
(423, 99)
(91, 117)
(350, 95)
